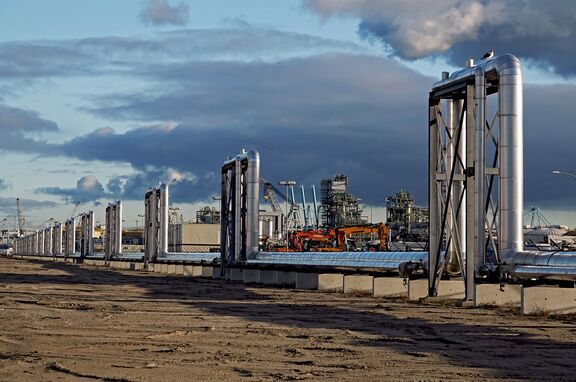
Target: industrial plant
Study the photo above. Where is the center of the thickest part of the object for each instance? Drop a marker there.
(470, 245)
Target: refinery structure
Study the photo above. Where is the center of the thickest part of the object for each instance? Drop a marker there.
(468, 241)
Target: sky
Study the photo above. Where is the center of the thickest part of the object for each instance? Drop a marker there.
(101, 100)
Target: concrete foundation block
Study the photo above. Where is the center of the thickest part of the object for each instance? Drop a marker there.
(320, 281)
(217, 273)
(164, 269)
(490, 294)
(306, 280)
(179, 269)
(390, 287)
(191, 270)
(447, 289)
(267, 277)
(536, 300)
(235, 274)
(331, 282)
(285, 278)
(251, 275)
(207, 271)
(171, 269)
(358, 284)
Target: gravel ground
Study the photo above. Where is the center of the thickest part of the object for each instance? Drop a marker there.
(72, 322)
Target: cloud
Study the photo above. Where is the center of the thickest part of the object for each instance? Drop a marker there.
(16, 127)
(4, 185)
(543, 32)
(314, 109)
(8, 205)
(161, 12)
(88, 189)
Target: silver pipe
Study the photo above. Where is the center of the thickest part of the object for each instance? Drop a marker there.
(253, 202)
(118, 228)
(479, 165)
(524, 272)
(539, 258)
(237, 177)
(386, 261)
(164, 200)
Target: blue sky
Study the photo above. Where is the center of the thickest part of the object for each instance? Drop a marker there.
(103, 99)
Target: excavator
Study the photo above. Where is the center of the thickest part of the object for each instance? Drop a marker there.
(369, 237)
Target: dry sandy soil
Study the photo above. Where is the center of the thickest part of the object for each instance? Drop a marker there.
(71, 322)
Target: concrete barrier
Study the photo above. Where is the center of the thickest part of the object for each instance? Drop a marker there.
(286, 278)
(171, 269)
(267, 277)
(536, 300)
(390, 287)
(192, 270)
(320, 281)
(447, 289)
(491, 294)
(251, 276)
(235, 274)
(358, 283)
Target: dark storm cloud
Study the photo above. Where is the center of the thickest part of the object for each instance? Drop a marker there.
(18, 125)
(161, 12)
(309, 117)
(542, 31)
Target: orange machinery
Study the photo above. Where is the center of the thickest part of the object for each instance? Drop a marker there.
(369, 237)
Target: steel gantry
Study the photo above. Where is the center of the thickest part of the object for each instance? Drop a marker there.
(475, 169)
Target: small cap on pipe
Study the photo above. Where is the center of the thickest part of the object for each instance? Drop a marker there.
(445, 75)
(469, 63)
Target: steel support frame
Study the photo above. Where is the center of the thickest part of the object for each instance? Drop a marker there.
(152, 225)
(491, 184)
(239, 208)
(113, 237)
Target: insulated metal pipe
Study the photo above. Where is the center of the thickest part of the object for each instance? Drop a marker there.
(163, 232)
(386, 261)
(479, 165)
(252, 202)
(528, 272)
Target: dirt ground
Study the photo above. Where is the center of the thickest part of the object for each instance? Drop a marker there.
(70, 322)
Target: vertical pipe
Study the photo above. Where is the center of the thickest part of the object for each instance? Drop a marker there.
(253, 202)
(479, 179)
(304, 212)
(164, 200)
(315, 204)
(511, 196)
(237, 209)
(224, 218)
(118, 229)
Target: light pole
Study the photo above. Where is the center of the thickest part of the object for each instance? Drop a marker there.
(286, 183)
(555, 172)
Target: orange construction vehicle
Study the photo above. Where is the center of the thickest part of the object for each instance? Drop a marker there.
(369, 237)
